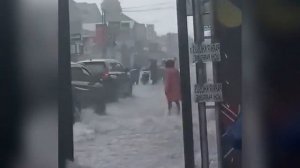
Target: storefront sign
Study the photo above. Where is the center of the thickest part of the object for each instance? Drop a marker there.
(208, 93)
(206, 52)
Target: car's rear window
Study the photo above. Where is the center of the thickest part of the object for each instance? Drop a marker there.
(95, 68)
(79, 74)
(116, 67)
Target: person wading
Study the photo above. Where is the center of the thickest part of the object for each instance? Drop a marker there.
(172, 85)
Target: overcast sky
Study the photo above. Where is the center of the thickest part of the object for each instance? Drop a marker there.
(162, 13)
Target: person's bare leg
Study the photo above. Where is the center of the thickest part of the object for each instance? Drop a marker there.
(178, 107)
(169, 107)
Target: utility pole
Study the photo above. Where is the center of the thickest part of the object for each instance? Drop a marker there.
(215, 80)
(201, 80)
(187, 118)
(65, 134)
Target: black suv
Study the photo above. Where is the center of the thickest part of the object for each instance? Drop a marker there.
(87, 91)
(116, 79)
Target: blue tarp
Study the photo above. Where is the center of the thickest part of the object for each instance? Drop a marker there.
(235, 133)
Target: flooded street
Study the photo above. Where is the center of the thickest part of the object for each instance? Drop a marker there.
(136, 132)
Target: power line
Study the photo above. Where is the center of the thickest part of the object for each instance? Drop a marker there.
(147, 10)
(150, 5)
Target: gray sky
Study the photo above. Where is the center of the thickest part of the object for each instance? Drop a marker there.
(162, 13)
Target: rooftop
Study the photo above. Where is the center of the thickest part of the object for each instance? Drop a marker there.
(118, 18)
(89, 12)
(74, 11)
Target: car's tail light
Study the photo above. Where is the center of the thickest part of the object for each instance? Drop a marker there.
(105, 74)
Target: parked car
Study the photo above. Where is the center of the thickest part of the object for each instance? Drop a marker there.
(116, 78)
(87, 91)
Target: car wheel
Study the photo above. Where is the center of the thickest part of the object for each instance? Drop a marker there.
(129, 92)
(114, 95)
(113, 92)
(100, 109)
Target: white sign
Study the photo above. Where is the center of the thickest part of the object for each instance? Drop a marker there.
(189, 8)
(207, 28)
(76, 37)
(206, 52)
(208, 93)
(73, 49)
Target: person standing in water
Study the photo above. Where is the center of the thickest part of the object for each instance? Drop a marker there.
(172, 85)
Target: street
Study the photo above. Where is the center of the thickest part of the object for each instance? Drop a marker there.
(136, 132)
